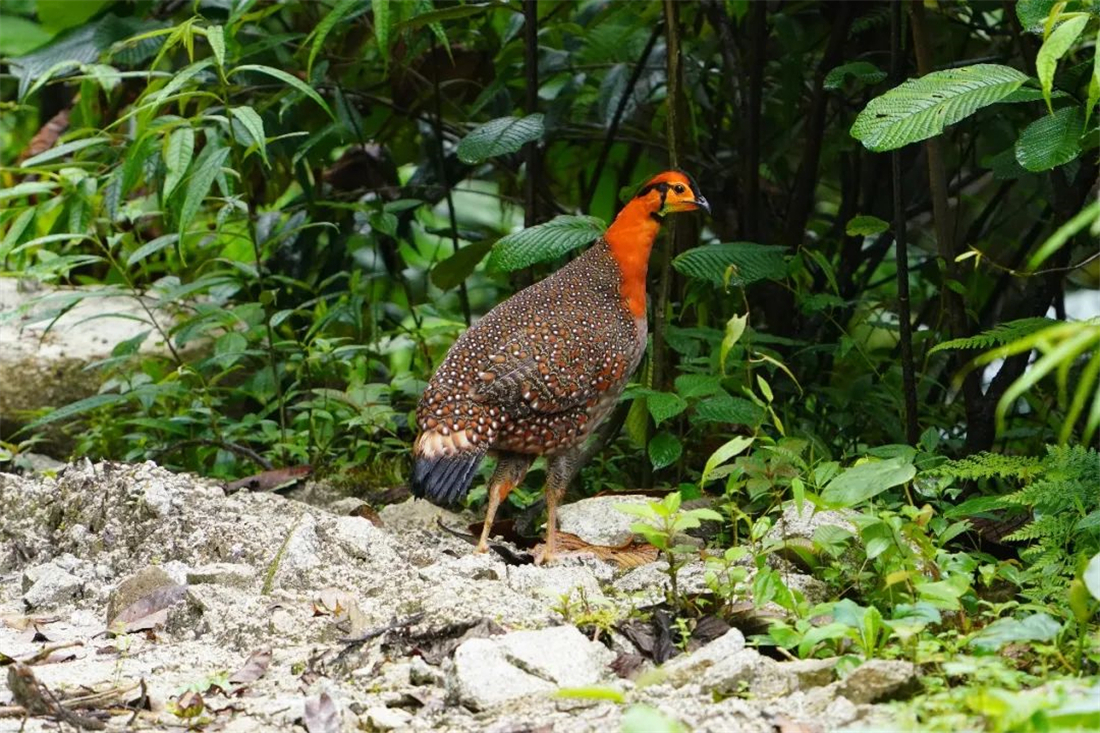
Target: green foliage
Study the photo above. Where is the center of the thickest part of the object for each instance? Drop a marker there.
(1049, 142)
(499, 137)
(736, 264)
(921, 108)
(999, 335)
(542, 242)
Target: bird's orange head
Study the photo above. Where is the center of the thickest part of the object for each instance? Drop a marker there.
(671, 192)
(631, 235)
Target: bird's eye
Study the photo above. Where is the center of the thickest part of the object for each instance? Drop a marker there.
(678, 188)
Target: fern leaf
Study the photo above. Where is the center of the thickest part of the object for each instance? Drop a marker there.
(999, 335)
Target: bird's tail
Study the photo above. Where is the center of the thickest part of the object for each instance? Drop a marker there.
(443, 477)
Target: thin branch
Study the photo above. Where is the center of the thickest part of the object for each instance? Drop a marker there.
(236, 448)
(531, 73)
(901, 247)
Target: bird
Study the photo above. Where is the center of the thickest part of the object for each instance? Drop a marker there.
(538, 373)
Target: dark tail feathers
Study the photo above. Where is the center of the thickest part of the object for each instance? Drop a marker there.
(445, 480)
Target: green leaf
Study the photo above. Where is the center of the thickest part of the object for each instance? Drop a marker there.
(15, 231)
(1036, 627)
(866, 73)
(27, 188)
(290, 79)
(207, 167)
(1083, 218)
(151, 248)
(383, 21)
(60, 151)
(255, 126)
(664, 405)
(697, 385)
(999, 335)
(20, 36)
(735, 263)
(735, 327)
(865, 226)
(1094, 81)
(73, 409)
(1033, 13)
(452, 271)
(729, 410)
(544, 242)
(921, 108)
(215, 36)
(57, 15)
(730, 449)
(1055, 47)
(865, 480)
(664, 450)
(499, 137)
(178, 151)
(338, 12)
(1051, 140)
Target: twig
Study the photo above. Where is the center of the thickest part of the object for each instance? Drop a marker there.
(236, 448)
(375, 633)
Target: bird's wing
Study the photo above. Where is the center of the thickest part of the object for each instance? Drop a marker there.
(547, 375)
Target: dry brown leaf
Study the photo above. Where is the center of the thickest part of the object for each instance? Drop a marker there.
(254, 667)
(321, 715)
(159, 600)
(631, 554)
(331, 601)
(273, 480)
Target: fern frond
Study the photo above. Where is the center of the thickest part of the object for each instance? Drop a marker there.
(990, 465)
(999, 335)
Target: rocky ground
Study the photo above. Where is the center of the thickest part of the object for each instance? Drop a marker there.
(160, 600)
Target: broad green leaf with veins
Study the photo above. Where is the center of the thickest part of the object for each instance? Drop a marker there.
(921, 108)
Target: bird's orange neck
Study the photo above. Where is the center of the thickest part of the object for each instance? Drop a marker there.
(631, 238)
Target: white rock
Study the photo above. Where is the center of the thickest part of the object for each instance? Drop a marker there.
(414, 514)
(223, 573)
(479, 566)
(555, 582)
(598, 521)
(488, 672)
(381, 718)
(48, 585)
(689, 667)
(361, 539)
(157, 499)
(878, 679)
(747, 670)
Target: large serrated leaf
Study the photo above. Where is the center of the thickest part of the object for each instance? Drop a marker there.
(544, 242)
(724, 408)
(1055, 47)
(1033, 13)
(1051, 140)
(499, 137)
(734, 263)
(921, 108)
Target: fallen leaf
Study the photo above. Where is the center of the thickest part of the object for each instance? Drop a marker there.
(254, 667)
(188, 705)
(631, 554)
(321, 715)
(273, 480)
(160, 600)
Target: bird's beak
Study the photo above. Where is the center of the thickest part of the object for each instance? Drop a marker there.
(702, 203)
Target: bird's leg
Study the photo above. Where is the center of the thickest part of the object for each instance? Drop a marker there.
(508, 475)
(559, 472)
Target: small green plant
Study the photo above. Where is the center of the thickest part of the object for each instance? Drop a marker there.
(663, 525)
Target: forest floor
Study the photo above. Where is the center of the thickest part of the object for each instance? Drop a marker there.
(132, 597)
